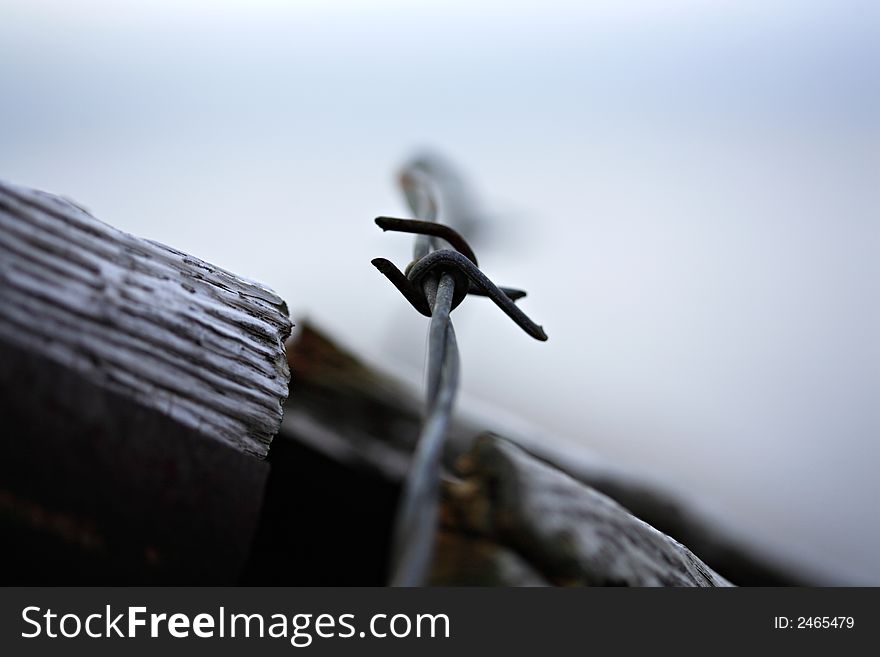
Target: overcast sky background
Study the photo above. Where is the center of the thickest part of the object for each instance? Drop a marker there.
(688, 191)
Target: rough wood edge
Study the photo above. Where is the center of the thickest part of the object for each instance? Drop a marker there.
(200, 344)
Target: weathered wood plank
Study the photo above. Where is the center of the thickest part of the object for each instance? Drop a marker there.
(176, 334)
(96, 488)
(465, 560)
(363, 418)
(139, 391)
(567, 531)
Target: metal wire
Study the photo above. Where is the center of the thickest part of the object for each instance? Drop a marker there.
(435, 283)
(416, 522)
(417, 515)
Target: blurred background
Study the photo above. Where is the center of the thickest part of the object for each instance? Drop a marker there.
(688, 190)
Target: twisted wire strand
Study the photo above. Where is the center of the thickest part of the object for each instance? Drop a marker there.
(417, 515)
(436, 281)
(416, 523)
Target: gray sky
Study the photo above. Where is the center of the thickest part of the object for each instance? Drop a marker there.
(688, 190)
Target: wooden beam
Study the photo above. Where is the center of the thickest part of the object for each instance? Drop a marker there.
(569, 532)
(140, 389)
(179, 335)
(363, 418)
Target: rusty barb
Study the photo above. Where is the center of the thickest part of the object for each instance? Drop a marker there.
(435, 282)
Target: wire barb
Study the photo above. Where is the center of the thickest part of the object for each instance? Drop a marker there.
(428, 228)
(435, 283)
(461, 263)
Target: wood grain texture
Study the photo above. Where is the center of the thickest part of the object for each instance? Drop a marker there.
(567, 531)
(360, 416)
(178, 335)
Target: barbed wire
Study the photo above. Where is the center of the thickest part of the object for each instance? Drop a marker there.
(435, 283)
